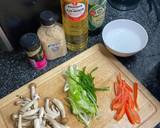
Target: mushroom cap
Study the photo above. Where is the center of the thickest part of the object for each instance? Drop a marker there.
(32, 85)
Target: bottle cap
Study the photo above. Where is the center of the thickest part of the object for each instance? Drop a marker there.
(47, 18)
(29, 41)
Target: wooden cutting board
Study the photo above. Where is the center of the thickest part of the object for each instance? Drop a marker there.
(51, 84)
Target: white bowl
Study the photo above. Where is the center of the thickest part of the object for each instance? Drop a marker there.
(124, 37)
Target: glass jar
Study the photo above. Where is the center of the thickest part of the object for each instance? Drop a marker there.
(97, 9)
(51, 36)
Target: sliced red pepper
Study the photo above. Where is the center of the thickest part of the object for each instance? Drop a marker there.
(115, 88)
(119, 79)
(135, 94)
(119, 89)
(116, 100)
(128, 87)
(118, 104)
(136, 116)
(129, 114)
(132, 115)
(123, 102)
(119, 114)
(130, 102)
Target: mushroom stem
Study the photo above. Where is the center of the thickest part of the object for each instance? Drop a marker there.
(37, 123)
(60, 106)
(33, 93)
(55, 124)
(54, 109)
(26, 123)
(24, 98)
(47, 115)
(32, 90)
(30, 117)
(20, 121)
(31, 112)
(48, 126)
(54, 114)
(18, 102)
(41, 112)
(44, 122)
(22, 102)
(25, 108)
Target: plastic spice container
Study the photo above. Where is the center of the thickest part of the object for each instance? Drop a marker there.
(36, 56)
(52, 36)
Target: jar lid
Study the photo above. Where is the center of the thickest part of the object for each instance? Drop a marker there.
(29, 41)
(47, 18)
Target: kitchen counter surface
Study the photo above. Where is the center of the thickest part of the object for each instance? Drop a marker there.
(15, 70)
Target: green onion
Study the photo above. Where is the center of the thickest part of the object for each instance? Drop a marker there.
(82, 93)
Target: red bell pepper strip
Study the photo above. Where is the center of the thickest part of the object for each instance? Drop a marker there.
(135, 94)
(124, 103)
(119, 114)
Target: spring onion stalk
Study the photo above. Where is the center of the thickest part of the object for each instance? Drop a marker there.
(81, 93)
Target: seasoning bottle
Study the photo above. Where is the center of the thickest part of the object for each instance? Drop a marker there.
(51, 35)
(96, 16)
(36, 56)
(75, 23)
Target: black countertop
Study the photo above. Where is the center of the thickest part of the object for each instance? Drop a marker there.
(15, 70)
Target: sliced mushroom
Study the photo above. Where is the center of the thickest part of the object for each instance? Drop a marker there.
(48, 126)
(30, 113)
(60, 106)
(32, 87)
(15, 117)
(26, 123)
(37, 123)
(54, 114)
(22, 102)
(33, 93)
(24, 98)
(54, 108)
(41, 112)
(55, 124)
(25, 108)
(30, 117)
(40, 116)
(18, 102)
(51, 116)
(20, 121)
(44, 123)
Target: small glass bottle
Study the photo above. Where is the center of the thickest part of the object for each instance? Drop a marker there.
(96, 16)
(36, 56)
(51, 36)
